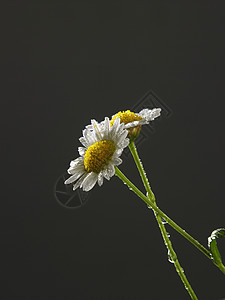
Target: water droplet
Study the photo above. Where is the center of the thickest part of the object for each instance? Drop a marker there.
(168, 234)
(164, 221)
(170, 258)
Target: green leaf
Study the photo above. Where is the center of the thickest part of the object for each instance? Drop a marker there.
(212, 244)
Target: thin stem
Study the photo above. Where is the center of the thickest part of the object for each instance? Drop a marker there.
(222, 267)
(144, 178)
(171, 253)
(150, 203)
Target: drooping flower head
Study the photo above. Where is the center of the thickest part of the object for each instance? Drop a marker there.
(103, 145)
(134, 121)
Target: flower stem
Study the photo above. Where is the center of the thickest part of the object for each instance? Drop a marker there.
(150, 203)
(171, 253)
(144, 178)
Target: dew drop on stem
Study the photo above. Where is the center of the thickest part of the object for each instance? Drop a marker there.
(164, 221)
(170, 258)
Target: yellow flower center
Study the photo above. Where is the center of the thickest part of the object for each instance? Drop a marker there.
(98, 155)
(125, 117)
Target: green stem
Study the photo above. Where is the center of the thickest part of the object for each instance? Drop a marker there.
(150, 203)
(144, 178)
(171, 253)
(221, 267)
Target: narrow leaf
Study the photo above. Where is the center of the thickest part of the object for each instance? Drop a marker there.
(212, 244)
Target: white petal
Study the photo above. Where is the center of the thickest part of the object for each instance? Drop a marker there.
(74, 177)
(89, 136)
(82, 151)
(116, 161)
(121, 137)
(134, 124)
(96, 130)
(106, 128)
(100, 179)
(156, 112)
(105, 174)
(77, 161)
(75, 169)
(93, 123)
(117, 152)
(90, 127)
(120, 128)
(114, 128)
(110, 170)
(89, 181)
(143, 122)
(80, 181)
(150, 114)
(124, 144)
(84, 142)
(144, 112)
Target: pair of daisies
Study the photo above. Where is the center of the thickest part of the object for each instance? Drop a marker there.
(103, 144)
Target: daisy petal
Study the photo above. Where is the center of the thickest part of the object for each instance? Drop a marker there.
(89, 181)
(106, 128)
(96, 130)
(150, 114)
(81, 151)
(121, 137)
(74, 177)
(120, 129)
(124, 143)
(79, 182)
(77, 161)
(110, 170)
(133, 124)
(117, 161)
(114, 128)
(88, 135)
(105, 174)
(75, 169)
(100, 179)
(84, 142)
(156, 113)
(118, 152)
(144, 112)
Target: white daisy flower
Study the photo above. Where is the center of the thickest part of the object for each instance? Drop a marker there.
(134, 121)
(131, 119)
(103, 145)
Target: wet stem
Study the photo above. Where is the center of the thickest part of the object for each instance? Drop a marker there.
(151, 204)
(171, 253)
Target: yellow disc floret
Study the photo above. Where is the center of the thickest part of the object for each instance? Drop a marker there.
(98, 155)
(126, 117)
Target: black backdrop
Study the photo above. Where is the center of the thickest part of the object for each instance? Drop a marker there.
(65, 62)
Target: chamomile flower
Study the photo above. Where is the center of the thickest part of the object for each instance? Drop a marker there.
(131, 119)
(103, 145)
(134, 121)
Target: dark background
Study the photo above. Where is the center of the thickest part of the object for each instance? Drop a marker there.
(65, 62)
